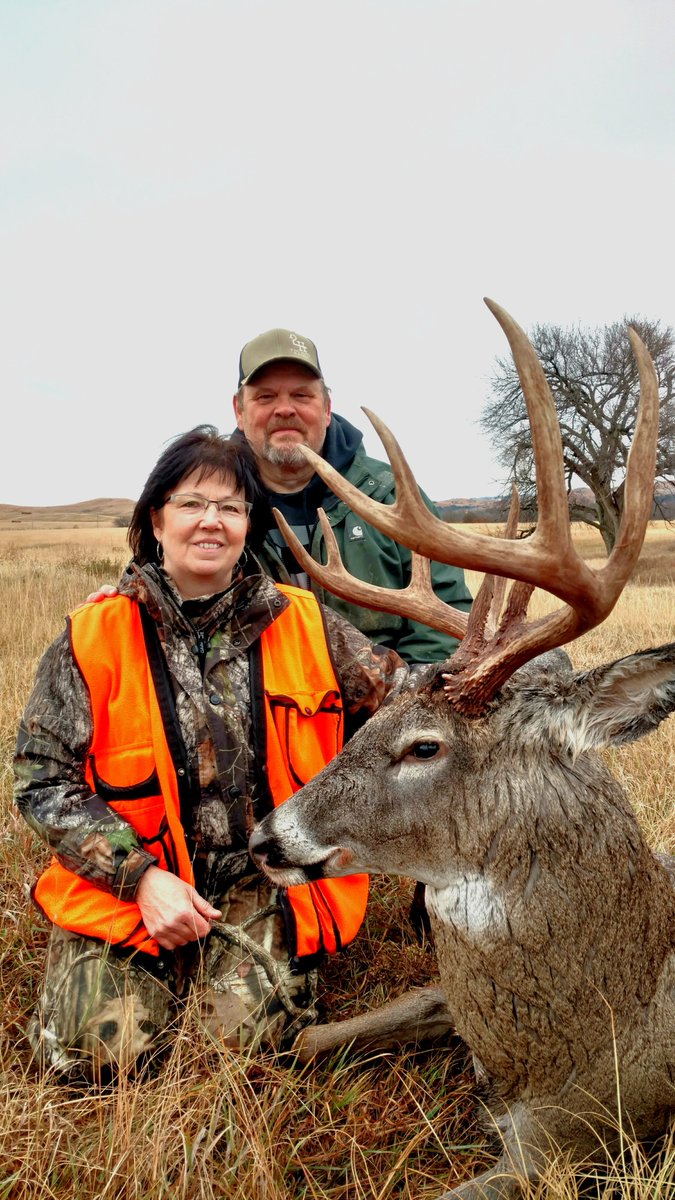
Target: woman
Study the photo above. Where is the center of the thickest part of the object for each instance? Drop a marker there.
(164, 722)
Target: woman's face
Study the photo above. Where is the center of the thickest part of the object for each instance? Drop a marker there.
(201, 547)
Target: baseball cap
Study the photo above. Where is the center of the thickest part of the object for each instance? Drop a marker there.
(274, 346)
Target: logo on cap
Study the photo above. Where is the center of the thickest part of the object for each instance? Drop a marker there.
(300, 346)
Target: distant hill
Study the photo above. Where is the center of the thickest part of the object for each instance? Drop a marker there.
(480, 509)
(491, 508)
(102, 512)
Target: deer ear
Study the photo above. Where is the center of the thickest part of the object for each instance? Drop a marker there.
(625, 700)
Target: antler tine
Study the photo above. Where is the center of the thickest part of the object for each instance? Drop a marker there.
(487, 606)
(553, 519)
(453, 621)
(409, 503)
(417, 601)
(484, 624)
(407, 511)
(500, 581)
(640, 471)
(511, 527)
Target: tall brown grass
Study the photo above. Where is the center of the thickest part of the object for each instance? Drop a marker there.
(207, 1124)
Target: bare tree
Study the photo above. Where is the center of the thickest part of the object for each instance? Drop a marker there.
(594, 381)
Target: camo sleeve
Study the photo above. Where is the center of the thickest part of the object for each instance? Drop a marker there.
(51, 791)
(368, 673)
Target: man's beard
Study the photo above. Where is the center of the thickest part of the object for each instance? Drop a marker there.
(286, 454)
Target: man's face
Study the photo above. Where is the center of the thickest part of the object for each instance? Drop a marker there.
(283, 407)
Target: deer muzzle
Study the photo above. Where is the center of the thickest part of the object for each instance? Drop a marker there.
(288, 866)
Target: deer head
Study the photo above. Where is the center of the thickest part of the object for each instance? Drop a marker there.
(450, 722)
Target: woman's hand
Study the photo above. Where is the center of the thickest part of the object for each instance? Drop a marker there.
(173, 912)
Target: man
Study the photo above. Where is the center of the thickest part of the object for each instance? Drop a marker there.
(283, 402)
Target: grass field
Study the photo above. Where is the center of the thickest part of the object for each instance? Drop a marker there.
(209, 1125)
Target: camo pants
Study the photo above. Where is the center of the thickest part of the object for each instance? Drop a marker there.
(101, 1012)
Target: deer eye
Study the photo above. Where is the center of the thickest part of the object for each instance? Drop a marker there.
(425, 749)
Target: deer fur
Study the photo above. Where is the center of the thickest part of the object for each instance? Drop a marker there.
(554, 922)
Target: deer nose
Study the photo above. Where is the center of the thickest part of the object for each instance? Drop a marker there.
(260, 847)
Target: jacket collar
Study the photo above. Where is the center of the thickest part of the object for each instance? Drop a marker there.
(251, 603)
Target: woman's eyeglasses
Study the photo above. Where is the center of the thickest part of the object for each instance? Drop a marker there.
(191, 504)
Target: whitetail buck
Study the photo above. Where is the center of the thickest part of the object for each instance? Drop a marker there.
(553, 920)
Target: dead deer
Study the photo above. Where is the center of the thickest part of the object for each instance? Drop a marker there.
(554, 922)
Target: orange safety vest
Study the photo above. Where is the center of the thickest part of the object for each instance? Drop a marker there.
(131, 767)
(304, 720)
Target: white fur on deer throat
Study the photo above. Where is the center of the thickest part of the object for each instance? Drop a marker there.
(470, 903)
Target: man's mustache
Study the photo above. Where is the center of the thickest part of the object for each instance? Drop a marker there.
(276, 425)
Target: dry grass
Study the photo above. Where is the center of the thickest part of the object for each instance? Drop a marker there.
(207, 1125)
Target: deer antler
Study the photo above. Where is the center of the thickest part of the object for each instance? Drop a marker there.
(417, 601)
(547, 559)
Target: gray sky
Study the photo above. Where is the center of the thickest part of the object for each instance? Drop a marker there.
(178, 175)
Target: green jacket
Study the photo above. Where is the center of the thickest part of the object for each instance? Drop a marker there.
(374, 557)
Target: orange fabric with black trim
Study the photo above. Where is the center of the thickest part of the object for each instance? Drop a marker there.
(304, 719)
(305, 730)
(128, 750)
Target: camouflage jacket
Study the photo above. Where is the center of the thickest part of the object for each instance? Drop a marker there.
(207, 644)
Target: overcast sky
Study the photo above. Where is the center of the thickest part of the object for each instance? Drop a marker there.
(179, 175)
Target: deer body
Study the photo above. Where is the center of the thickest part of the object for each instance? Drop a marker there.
(554, 923)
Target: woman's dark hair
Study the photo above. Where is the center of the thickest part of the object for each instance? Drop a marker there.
(205, 450)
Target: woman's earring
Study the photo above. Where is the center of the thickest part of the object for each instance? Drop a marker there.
(160, 552)
(242, 560)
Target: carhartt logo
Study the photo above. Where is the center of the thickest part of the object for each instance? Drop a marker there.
(356, 533)
(298, 344)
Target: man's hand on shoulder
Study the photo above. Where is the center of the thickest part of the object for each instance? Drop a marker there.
(105, 590)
